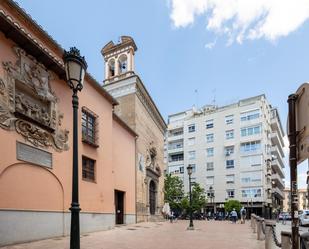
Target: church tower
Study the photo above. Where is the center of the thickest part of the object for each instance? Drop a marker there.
(119, 59)
(139, 111)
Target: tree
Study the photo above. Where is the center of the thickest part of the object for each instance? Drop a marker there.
(198, 199)
(231, 204)
(173, 191)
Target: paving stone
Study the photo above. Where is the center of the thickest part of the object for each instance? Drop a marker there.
(207, 235)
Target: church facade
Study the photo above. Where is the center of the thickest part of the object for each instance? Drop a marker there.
(139, 111)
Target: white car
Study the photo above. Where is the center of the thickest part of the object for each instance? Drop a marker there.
(304, 218)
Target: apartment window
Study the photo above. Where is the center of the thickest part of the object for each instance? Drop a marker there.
(229, 164)
(252, 160)
(248, 131)
(88, 169)
(176, 157)
(230, 193)
(191, 155)
(191, 141)
(251, 177)
(229, 119)
(209, 124)
(230, 179)
(250, 115)
(229, 150)
(210, 180)
(210, 152)
(250, 146)
(191, 128)
(181, 169)
(229, 134)
(210, 166)
(88, 126)
(209, 138)
(193, 168)
(251, 192)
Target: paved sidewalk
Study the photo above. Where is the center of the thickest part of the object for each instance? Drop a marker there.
(161, 235)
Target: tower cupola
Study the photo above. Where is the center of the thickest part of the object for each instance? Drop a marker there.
(119, 59)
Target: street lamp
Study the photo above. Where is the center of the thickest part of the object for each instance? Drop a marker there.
(189, 169)
(212, 197)
(75, 68)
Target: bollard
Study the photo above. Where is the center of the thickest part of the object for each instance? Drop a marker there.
(254, 224)
(260, 234)
(252, 220)
(286, 240)
(269, 240)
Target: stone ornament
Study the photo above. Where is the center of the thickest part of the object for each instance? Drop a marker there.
(28, 105)
(151, 161)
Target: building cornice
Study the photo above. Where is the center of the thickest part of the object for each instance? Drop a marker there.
(14, 31)
(143, 96)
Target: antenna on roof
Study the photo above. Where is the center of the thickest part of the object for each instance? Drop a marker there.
(196, 97)
(214, 93)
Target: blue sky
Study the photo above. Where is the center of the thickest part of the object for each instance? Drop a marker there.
(183, 45)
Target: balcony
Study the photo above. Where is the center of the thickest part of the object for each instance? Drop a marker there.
(275, 122)
(175, 150)
(277, 167)
(276, 139)
(172, 137)
(277, 180)
(175, 147)
(277, 153)
(277, 191)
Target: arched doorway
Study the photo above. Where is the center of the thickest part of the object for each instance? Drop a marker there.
(152, 197)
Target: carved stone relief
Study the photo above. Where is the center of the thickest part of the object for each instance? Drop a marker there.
(28, 105)
(153, 169)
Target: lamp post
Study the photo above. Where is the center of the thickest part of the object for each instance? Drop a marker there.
(189, 169)
(75, 68)
(212, 196)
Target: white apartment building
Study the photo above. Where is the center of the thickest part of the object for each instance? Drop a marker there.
(236, 152)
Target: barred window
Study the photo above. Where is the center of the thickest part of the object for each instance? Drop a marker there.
(89, 127)
(88, 169)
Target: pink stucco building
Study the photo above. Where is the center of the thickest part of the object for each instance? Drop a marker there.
(36, 141)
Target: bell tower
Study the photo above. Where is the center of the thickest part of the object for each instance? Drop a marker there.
(137, 109)
(119, 59)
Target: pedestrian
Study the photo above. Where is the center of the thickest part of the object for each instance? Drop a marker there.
(171, 217)
(243, 215)
(234, 216)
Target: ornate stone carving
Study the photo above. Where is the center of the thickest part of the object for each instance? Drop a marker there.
(28, 104)
(152, 167)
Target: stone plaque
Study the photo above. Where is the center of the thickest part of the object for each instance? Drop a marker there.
(34, 155)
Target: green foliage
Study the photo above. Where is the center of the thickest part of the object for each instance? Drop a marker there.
(173, 191)
(198, 199)
(229, 205)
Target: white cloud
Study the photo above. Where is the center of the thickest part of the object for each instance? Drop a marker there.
(243, 19)
(210, 45)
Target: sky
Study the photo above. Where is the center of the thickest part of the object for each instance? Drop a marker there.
(193, 52)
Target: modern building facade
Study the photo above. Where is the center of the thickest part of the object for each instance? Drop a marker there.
(36, 141)
(235, 150)
(301, 196)
(139, 111)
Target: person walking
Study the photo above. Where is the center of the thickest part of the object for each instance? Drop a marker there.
(243, 215)
(234, 216)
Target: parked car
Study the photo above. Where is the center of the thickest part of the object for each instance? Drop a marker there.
(285, 216)
(304, 218)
